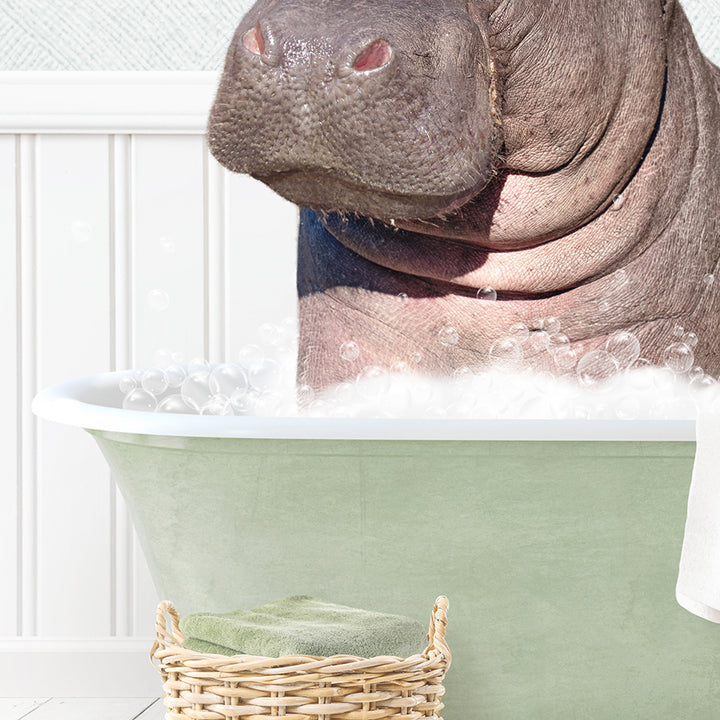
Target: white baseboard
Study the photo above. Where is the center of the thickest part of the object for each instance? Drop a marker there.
(92, 667)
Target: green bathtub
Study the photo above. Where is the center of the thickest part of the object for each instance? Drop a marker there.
(559, 556)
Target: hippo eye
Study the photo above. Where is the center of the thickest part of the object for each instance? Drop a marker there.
(374, 56)
(253, 41)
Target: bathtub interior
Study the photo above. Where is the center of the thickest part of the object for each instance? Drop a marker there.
(559, 558)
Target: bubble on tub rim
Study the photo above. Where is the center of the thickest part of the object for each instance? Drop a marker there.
(162, 357)
(175, 404)
(195, 388)
(127, 382)
(249, 354)
(139, 399)
(265, 376)
(175, 375)
(225, 378)
(399, 367)
(678, 357)
(218, 404)
(154, 381)
(594, 368)
(506, 353)
(624, 346)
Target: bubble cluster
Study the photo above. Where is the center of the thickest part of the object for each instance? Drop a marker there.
(595, 379)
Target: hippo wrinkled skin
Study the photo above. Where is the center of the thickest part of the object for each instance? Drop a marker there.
(564, 153)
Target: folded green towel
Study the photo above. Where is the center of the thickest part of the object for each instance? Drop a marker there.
(205, 647)
(302, 625)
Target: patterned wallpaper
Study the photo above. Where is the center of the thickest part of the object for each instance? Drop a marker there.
(161, 35)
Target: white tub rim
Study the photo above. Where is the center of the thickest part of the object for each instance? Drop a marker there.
(85, 402)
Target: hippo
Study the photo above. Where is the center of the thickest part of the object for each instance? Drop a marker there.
(482, 180)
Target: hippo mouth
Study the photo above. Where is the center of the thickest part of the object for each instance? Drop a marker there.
(327, 191)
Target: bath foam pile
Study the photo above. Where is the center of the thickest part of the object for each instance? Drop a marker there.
(609, 383)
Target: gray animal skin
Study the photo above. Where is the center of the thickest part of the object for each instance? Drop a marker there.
(565, 153)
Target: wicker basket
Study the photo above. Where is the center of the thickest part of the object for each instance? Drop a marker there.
(299, 687)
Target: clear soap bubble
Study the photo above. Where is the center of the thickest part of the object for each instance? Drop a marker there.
(596, 366)
(158, 300)
(603, 306)
(702, 382)
(242, 401)
(402, 297)
(167, 245)
(270, 334)
(620, 276)
(690, 339)
(250, 354)
(217, 405)
(198, 364)
(678, 330)
(265, 376)
(139, 399)
(399, 366)
(506, 353)
(416, 358)
(565, 358)
(162, 357)
(448, 336)
(344, 392)
(195, 388)
(127, 383)
(486, 293)
(678, 357)
(154, 381)
(175, 375)
(709, 279)
(349, 351)
(305, 395)
(558, 341)
(551, 325)
(226, 378)
(539, 340)
(520, 331)
(624, 347)
(177, 404)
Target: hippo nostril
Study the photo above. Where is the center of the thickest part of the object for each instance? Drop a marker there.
(253, 41)
(375, 55)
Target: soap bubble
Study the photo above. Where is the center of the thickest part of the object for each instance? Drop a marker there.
(690, 339)
(344, 392)
(217, 405)
(506, 353)
(371, 372)
(402, 297)
(226, 378)
(678, 357)
(242, 400)
(620, 277)
(448, 336)
(462, 372)
(520, 331)
(618, 201)
(416, 358)
(154, 381)
(270, 334)
(349, 351)
(558, 341)
(603, 306)
(551, 325)
(175, 404)
(265, 376)
(139, 399)
(678, 330)
(596, 366)
(565, 358)
(198, 364)
(175, 375)
(372, 382)
(399, 366)
(250, 354)
(539, 340)
(709, 279)
(305, 395)
(158, 300)
(195, 388)
(127, 383)
(702, 382)
(162, 357)
(486, 293)
(624, 347)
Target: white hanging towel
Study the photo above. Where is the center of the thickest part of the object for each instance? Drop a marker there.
(698, 585)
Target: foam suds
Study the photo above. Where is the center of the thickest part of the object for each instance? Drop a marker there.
(613, 383)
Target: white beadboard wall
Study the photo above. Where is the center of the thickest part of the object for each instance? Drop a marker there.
(120, 236)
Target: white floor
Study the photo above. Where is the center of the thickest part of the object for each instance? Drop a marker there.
(81, 709)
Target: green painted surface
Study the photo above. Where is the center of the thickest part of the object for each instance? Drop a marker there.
(559, 559)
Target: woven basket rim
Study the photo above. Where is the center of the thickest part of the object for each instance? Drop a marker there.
(168, 643)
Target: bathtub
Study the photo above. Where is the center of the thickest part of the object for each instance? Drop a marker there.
(557, 542)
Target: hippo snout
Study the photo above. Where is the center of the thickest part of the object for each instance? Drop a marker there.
(370, 108)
